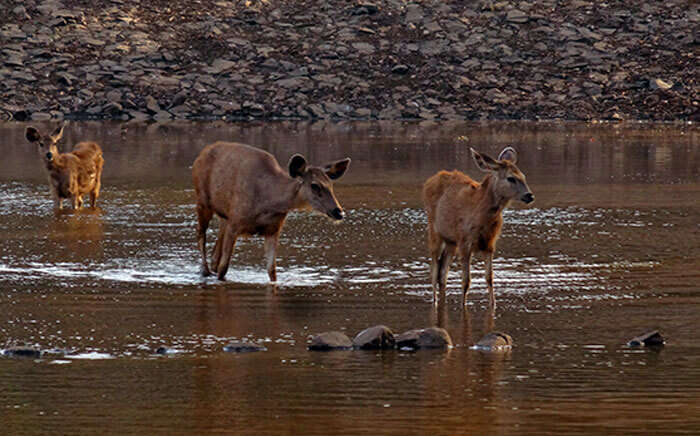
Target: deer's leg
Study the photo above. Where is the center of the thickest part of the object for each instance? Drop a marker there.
(230, 235)
(95, 193)
(216, 256)
(270, 253)
(444, 263)
(204, 215)
(466, 273)
(435, 244)
(489, 279)
(57, 200)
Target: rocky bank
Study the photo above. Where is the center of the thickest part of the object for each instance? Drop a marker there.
(342, 59)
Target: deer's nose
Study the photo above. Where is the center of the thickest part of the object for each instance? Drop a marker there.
(528, 198)
(337, 214)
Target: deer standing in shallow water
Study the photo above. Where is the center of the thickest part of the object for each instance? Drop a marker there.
(71, 175)
(465, 216)
(251, 194)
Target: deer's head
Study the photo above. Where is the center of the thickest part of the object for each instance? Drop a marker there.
(317, 184)
(510, 182)
(47, 144)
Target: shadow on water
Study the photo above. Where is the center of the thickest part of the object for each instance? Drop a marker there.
(610, 249)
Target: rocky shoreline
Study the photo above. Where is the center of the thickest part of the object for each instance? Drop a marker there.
(312, 59)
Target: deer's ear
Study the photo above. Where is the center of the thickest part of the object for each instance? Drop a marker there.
(509, 154)
(335, 170)
(32, 134)
(483, 161)
(58, 133)
(297, 165)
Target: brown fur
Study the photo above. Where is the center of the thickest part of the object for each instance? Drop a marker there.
(465, 216)
(71, 175)
(252, 195)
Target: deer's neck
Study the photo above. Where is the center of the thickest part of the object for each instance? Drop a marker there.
(291, 195)
(494, 202)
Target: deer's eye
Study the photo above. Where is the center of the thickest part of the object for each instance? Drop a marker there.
(512, 180)
(316, 188)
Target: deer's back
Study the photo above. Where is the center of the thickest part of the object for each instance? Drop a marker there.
(227, 172)
(87, 151)
(455, 206)
(76, 172)
(446, 191)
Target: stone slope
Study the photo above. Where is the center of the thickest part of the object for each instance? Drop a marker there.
(538, 59)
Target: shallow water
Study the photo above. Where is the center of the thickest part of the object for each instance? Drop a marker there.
(609, 249)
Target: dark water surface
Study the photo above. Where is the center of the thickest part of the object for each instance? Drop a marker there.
(609, 249)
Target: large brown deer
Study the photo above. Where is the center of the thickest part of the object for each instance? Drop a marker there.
(465, 216)
(251, 194)
(71, 175)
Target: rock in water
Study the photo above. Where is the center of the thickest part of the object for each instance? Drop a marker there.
(329, 341)
(375, 338)
(30, 352)
(648, 339)
(432, 337)
(243, 347)
(495, 341)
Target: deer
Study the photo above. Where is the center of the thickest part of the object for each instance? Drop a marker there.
(465, 216)
(251, 194)
(71, 175)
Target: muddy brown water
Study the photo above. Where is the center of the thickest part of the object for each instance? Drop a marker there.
(609, 249)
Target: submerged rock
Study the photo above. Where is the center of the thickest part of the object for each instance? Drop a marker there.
(375, 338)
(495, 341)
(243, 347)
(23, 351)
(329, 341)
(648, 339)
(432, 337)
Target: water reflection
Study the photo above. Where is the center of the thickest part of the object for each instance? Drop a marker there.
(462, 326)
(611, 241)
(79, 234)
(567, 153)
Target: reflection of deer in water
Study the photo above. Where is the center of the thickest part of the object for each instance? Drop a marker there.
(71, 175)
(78, 234)
(440, 319)
(252, 195)
(465, 216)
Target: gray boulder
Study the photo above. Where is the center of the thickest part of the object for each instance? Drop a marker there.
(432, 337)
(375, 338)
(495, 341)
(329, 341)
(649, 339)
